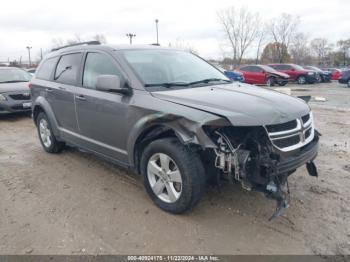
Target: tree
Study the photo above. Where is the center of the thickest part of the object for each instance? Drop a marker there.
(283, 29)
(321, 49)
(344, 46)
(182, 44)
(240, 28)
(299, 50)
(272, 51)
(261, 37)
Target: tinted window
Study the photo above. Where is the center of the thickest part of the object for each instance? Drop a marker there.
(255, 69)
(47, 68)
(97, 64)
(246, 69)
(282, 67)
(68, 68)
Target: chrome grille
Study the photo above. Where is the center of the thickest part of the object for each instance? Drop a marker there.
(293, 134)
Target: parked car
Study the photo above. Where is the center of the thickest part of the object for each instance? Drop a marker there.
(173, 118)
(233, 75)
(324, 76)
(297, 73)
(263, 75)
(14, 91)
(345, 78)
(335, 73)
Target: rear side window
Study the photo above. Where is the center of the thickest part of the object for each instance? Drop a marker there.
(282, 67)
(46, 69)
(255, 69)
(246, 69)
(98, 64)
(68, 68)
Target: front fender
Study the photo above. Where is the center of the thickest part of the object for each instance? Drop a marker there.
(188, 131)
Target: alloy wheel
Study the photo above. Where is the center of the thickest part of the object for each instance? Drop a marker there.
(164, 177)
(45, 133)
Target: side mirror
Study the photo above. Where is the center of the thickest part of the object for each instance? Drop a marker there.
(111, 83)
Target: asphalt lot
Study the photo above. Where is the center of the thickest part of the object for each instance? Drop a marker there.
(76, 203)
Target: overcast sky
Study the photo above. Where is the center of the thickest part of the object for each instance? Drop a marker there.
(37, 22)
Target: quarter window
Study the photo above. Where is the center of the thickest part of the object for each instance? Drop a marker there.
(68, 68)
(97, 64)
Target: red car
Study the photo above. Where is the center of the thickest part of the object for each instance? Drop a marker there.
(297, 73)
(263, 75)
(336, 73)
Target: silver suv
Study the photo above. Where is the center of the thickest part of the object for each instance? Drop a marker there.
(173, 118)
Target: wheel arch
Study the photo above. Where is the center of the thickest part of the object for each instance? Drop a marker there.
(42, 105)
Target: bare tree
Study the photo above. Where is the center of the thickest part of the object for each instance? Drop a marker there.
(283, 30)
(344, 46)
(182, 44)
(321, 49)
(261, 40)
(300, 50)
(101, 38)
(240, 28)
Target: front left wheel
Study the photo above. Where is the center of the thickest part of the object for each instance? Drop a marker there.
(173, 175)
(46, 136)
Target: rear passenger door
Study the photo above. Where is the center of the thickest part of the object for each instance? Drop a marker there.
(102, 115)
(61, 91)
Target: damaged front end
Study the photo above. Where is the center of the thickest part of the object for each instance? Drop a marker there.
(261, 158)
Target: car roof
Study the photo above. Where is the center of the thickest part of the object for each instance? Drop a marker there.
(106, 48)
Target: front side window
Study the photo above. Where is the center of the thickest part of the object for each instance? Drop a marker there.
(97, 64)
(46, 69)
(246, 69)
(171, 67)
(12, 75)
(68, 68)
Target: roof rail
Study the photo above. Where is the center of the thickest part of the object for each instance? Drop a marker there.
(81, 43)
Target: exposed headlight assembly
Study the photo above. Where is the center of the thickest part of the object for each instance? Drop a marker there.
(2, 97)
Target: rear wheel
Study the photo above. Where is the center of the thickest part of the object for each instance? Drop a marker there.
(301, 80)
(46, 136)
(270, 81)
(348, 82)
(173, 175)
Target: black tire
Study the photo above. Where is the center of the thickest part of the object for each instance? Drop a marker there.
(348, 82)
(282, 83)
(55, 146)
(270, 81)
(190, 167)
(301, 80)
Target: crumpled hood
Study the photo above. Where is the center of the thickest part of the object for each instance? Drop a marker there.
(280, 74)
(13, 87)
(241, 104)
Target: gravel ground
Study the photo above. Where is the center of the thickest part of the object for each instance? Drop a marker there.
(76, 203)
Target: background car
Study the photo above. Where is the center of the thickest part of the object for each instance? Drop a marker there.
(297, 73)
(14, 90)
(335, 72)
(345, 78)
(232, 74)
(263, 75)
(31, 70)
(325, 76)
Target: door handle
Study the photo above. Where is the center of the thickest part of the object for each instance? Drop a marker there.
(49, 89)
(80, 97)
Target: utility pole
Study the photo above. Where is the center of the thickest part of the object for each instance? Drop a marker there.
(130, 36)
(41, 54)
(30, 62)
(157, 30)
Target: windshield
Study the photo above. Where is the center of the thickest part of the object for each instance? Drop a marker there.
(9, 75)
(172, 68)
(298, 67)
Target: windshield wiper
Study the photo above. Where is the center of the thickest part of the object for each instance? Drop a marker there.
(14, 81)
(208, 80)
(168, 84)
